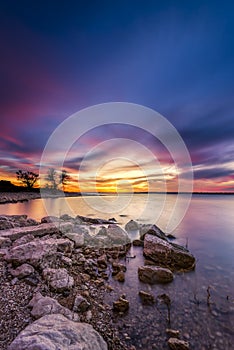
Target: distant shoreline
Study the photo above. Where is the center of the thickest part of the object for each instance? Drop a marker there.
(16, 197)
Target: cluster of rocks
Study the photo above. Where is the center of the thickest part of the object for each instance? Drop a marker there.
(67, 269)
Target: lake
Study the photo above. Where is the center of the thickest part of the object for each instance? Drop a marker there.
(207, 229)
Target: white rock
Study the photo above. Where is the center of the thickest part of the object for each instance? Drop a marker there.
(53, 332)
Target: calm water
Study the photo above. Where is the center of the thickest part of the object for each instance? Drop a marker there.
(207, 228)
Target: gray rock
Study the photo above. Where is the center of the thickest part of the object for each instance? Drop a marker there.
(23, 240)
(36, 231)
(42, 306)
(131, 226)
(5, 242)
(53, 332)
(177, 344)
(168, 254)
(6, 224)
(37, 251)
(80, 304)
(49, 219)
(117, 235)
(154, 274)
(58, 279)
(22, 271)
(152, 230)
(77, 238)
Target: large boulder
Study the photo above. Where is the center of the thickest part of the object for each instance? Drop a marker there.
(117, 235)
(166, 254)
(132, 226)
(37, 251)
(53, 332)
(36, 231)
(154, 274)
(58, 279)
(152, 230)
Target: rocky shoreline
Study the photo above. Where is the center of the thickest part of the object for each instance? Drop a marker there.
(15, 197)
(56, 273)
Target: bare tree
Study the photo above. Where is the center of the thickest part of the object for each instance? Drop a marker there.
(64, 178)
(57, 178)
(52, 179)
(27, 178)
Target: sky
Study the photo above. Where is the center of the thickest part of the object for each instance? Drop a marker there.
(175, 57)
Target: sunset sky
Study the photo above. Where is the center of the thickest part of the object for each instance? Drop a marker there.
(176, 57)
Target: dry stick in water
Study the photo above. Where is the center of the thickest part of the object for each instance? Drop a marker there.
(208, 296)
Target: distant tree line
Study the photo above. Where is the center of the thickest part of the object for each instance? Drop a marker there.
(55, 179)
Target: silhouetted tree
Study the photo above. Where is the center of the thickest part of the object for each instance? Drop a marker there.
(27, 178)
(55, 179)
(52, 178)
(64, 178)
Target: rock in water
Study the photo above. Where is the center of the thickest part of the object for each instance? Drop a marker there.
(121, 305)
(147, 298)
(154, 274)
(131, 226)
(177, 344)
(168, 254)
(52, 332)
(152, 230)
(117, 235)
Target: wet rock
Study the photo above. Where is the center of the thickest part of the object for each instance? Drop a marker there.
(120, 277)
(77, 238)
(170, 236)
(177, 344)
(52, 332)
(172, 333)
(121, 305)
(154, 274)
(22, 271)
(131, 226)
(138, 243)
(147, 298)
(168, 254)
(152, 230)
(38, 251)
(117, 267)
(58, 279)
(42, 306)
(80, 304)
